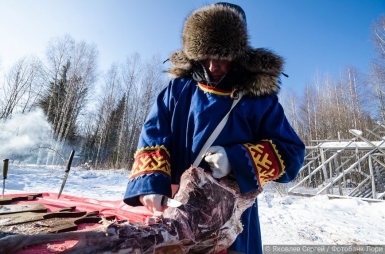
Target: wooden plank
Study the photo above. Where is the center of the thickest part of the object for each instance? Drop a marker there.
(5, 200)
(301, 194)
(347, 197)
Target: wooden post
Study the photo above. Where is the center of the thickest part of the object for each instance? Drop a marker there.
(331, 174)
(336, 165)
(374, 195)
(323, 167)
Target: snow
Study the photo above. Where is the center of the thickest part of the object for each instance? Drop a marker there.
(98, 184)
(356, 132)
(284, 219)
(344, 144)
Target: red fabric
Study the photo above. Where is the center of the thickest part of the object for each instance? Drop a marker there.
(105, 208)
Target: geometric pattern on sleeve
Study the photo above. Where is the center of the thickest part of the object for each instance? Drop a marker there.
(155, 159)
(266, 161)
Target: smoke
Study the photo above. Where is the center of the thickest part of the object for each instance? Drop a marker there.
(22, 133)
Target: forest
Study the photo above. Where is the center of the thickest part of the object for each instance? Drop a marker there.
(100, 115)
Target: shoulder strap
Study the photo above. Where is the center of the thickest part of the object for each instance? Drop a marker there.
(215, 133)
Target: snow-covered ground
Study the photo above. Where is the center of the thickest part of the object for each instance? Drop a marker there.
(284, 219)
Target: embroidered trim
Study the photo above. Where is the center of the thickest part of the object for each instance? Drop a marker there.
(155, 159)
(266, 161)
(213, 90)
(152, 148)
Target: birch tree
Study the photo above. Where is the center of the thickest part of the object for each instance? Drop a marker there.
(80, 61)
(329, 106)
(130, 76)
(128, 93)
(112, 91)
(22, 86)
(377, 75)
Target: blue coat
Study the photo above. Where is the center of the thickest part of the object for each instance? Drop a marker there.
(259, 142)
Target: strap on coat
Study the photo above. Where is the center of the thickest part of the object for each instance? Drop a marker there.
(215, 133)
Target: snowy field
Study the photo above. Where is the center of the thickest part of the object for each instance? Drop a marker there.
(284, 219)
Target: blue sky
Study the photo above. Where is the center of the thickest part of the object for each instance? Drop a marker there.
(324, 36)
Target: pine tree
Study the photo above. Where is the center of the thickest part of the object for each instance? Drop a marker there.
(114, 126)
(53, 103)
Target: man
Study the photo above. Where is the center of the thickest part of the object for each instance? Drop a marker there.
(256, 145)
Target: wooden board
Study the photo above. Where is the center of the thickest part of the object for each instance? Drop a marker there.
(4, 200)
(35, 207)
(20, 218)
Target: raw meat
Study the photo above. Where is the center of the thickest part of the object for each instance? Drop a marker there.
(207, 222)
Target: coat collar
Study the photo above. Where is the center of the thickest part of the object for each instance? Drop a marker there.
(262, 66)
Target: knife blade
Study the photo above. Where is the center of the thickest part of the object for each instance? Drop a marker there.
(5, 172)
(66, 172)
(166, 201)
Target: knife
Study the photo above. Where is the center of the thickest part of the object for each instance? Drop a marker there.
(166, 201)
(5, 172)
(66, 172)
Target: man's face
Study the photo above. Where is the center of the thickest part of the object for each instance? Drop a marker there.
(216, 68)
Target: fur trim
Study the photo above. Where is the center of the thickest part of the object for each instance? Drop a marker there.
(262, 61)
(219, 32)
(261, 84)
(263, 67)
(182, 66)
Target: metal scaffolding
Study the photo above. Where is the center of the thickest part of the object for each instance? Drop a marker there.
(345, 168)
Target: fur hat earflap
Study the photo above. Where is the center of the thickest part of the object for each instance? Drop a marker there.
(262, 60)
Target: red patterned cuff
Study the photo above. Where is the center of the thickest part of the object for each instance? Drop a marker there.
(266, 161)
(151, 160)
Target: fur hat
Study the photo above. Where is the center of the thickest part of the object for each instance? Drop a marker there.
(219, 31)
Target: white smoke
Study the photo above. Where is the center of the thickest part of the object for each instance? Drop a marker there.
(22, 133)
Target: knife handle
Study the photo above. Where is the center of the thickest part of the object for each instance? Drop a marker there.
(5, 168)
(69, 162)
(163, 202)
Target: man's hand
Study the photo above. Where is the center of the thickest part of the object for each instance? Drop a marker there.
(152, 202)
(216, 157)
